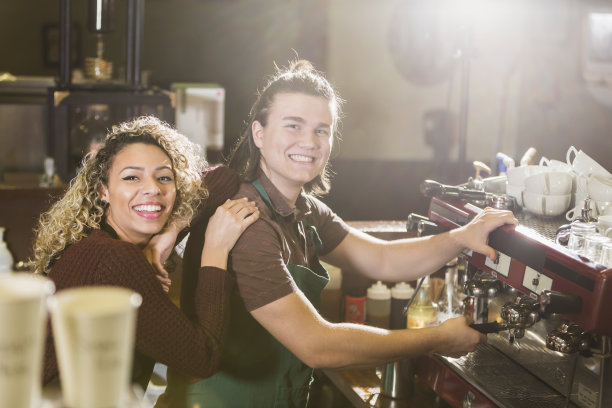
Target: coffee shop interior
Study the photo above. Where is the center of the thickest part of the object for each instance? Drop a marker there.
(443, 101)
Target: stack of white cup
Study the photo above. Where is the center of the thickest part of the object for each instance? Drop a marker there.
(592, 181)
(548, 193)
(515, 183)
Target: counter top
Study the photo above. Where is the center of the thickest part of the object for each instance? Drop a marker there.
(362, 387)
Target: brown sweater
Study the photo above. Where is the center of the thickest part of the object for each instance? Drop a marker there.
(163, 332)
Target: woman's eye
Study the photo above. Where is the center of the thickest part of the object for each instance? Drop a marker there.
(166, 179)
(129, 178)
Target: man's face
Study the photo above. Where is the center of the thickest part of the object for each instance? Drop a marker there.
(296, 142)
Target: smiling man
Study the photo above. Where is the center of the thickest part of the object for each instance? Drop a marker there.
(277, 336)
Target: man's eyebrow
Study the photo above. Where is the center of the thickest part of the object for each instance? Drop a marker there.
(294, 118)
(301, 120)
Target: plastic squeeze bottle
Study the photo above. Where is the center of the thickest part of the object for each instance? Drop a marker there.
(378, 305)
(6, 259)
(400, 295)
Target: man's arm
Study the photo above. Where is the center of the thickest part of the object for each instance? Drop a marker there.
(408, 259)
(294, 322)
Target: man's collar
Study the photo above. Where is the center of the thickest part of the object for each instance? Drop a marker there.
(280, 203)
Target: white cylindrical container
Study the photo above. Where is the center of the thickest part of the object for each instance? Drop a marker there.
(6, 259)
(378, 305)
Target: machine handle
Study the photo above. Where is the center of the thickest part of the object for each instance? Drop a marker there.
(491, 327)
(555, 302)
(430, 188)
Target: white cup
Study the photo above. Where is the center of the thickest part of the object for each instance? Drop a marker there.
(556, 165)
(515, 191)
(550, 183)
(604, 208)
(517, 175)
(546, 205)
(604, 225)
(597, 187)
(94, 331)
(23, 321)
(576, 212)
(583, 164)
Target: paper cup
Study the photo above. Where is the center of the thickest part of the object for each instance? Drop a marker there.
(23, 320)
(94, 331)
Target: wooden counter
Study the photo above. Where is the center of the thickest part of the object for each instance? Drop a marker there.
(362, 389)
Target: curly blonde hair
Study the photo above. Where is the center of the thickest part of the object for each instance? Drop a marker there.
(80, 210)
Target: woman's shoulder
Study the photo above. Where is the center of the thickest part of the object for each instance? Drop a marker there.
(102, 242)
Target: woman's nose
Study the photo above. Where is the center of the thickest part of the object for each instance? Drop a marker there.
(151, 187)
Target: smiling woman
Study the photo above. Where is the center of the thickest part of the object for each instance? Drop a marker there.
(145, 177)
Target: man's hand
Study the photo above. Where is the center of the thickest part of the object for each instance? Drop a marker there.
(459, 338)
(475, 234)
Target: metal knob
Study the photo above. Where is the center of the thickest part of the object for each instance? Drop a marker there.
(569, 338)
(482, 286)
(521, 315)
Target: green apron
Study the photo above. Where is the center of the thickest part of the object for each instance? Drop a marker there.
(257, 370)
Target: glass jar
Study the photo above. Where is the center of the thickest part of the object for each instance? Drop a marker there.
(578, 232)
(422, 312)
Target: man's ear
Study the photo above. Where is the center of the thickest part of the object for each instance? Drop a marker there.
(257, 131)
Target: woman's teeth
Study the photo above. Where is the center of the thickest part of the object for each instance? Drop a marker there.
(300, 158)
(148, 208)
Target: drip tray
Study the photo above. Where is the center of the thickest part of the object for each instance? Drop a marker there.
(503, 381)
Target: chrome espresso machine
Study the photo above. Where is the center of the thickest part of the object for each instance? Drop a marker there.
(548, 312)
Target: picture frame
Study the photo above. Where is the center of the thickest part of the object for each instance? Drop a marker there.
(51, 44)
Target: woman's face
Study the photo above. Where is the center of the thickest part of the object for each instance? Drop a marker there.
(296, 142)
(140, 192)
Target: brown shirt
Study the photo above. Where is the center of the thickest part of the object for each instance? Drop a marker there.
(262, 253)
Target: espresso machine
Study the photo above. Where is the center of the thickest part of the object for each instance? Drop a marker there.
(548, 313)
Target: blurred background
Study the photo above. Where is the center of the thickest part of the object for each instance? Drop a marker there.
(430, 86)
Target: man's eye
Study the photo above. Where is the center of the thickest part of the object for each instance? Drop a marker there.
(323, 132)
(293, 126)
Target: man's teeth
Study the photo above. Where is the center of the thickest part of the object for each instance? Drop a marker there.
(148, 208)
(300, 158)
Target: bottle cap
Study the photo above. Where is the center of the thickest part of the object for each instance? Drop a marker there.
(379, 291)
(402, 290)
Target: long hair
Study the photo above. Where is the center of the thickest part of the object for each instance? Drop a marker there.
(300, 77)
(80, 210)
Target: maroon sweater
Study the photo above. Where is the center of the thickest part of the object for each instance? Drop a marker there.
(163, 332)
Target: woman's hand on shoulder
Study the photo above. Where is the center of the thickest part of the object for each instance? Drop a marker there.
(224, 228)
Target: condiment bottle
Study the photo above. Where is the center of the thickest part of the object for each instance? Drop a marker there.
(355, 307)
(400, 295)
(378, 305)
(6, 259)
(422, 312)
